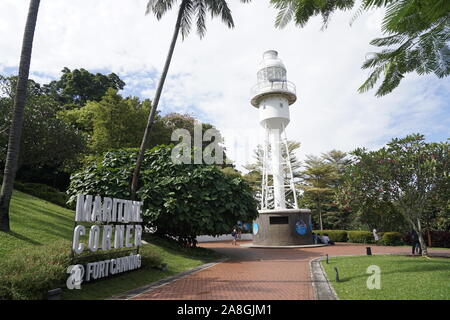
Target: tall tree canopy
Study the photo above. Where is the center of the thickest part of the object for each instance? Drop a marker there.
(320, 179)
(49, 147)
(416, 35)
(78, 86)
(409, 173)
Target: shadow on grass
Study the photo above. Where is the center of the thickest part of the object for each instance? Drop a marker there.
(23, 238)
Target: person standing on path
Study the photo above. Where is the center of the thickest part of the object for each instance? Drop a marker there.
(415, 243)
(375, 235)
(234, 234)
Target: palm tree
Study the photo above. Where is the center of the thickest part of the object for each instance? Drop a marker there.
(15, 130)
(188, 10)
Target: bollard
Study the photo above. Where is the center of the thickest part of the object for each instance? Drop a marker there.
(327, 259)
(369, 251)
(337, 274)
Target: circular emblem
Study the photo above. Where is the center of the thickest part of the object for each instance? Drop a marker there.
(300, 227)
(255, 228)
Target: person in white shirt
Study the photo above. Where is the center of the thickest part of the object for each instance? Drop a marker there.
(375, 235)
(326, 239)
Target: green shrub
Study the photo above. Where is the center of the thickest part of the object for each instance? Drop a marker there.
(334, 235)
(360, 237)
(391, 238)
(180, 200)
(29, 273)
(44, 192)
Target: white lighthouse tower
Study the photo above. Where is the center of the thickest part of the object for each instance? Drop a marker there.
(281, 222)
(273, 95)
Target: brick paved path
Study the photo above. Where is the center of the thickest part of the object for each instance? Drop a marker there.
(258, 274)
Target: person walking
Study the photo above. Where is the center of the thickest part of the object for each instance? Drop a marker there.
(234, 234)
(416, 247)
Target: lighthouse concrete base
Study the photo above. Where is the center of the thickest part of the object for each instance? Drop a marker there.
(283, 227)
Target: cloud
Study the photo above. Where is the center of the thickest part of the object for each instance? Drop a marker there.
(212, 77)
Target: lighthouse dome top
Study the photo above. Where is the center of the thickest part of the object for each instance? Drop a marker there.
(270, 59)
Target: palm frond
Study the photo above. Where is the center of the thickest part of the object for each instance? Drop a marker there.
(186, 18)
(219, 8)
(286, 12)
(159, 7)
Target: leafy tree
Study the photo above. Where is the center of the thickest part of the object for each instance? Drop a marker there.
(321, 177)
(317, 179)
(174, 121)
(116, 122)
(76, 87)
(180, 200)
(49, 146)
(409, 173)
(339, 160)
(15, 130)
(416, 35)
(188, 10)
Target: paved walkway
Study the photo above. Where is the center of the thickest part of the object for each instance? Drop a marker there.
(259, 274)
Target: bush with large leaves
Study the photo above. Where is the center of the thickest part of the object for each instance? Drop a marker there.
(181, 200)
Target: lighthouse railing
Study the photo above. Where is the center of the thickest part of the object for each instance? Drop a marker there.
(273, 86)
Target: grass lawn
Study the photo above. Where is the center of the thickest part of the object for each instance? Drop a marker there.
(35, 222)
(402, 278)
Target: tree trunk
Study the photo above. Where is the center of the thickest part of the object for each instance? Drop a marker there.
(319, 208)
(423, 244)
(155, 102)
(15, 131)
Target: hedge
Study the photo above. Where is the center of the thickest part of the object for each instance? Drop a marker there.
(29, 273)
(360, 237)
(334, 235)
(438, 238)
(44, 192)
(391, 238)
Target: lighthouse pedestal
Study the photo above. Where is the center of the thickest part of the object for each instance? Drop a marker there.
(285, 227)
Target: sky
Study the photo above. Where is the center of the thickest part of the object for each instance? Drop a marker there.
(211, 78)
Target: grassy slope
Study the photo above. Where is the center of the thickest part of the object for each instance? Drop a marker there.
(38, 222)
(402, 278)
(35, 222)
